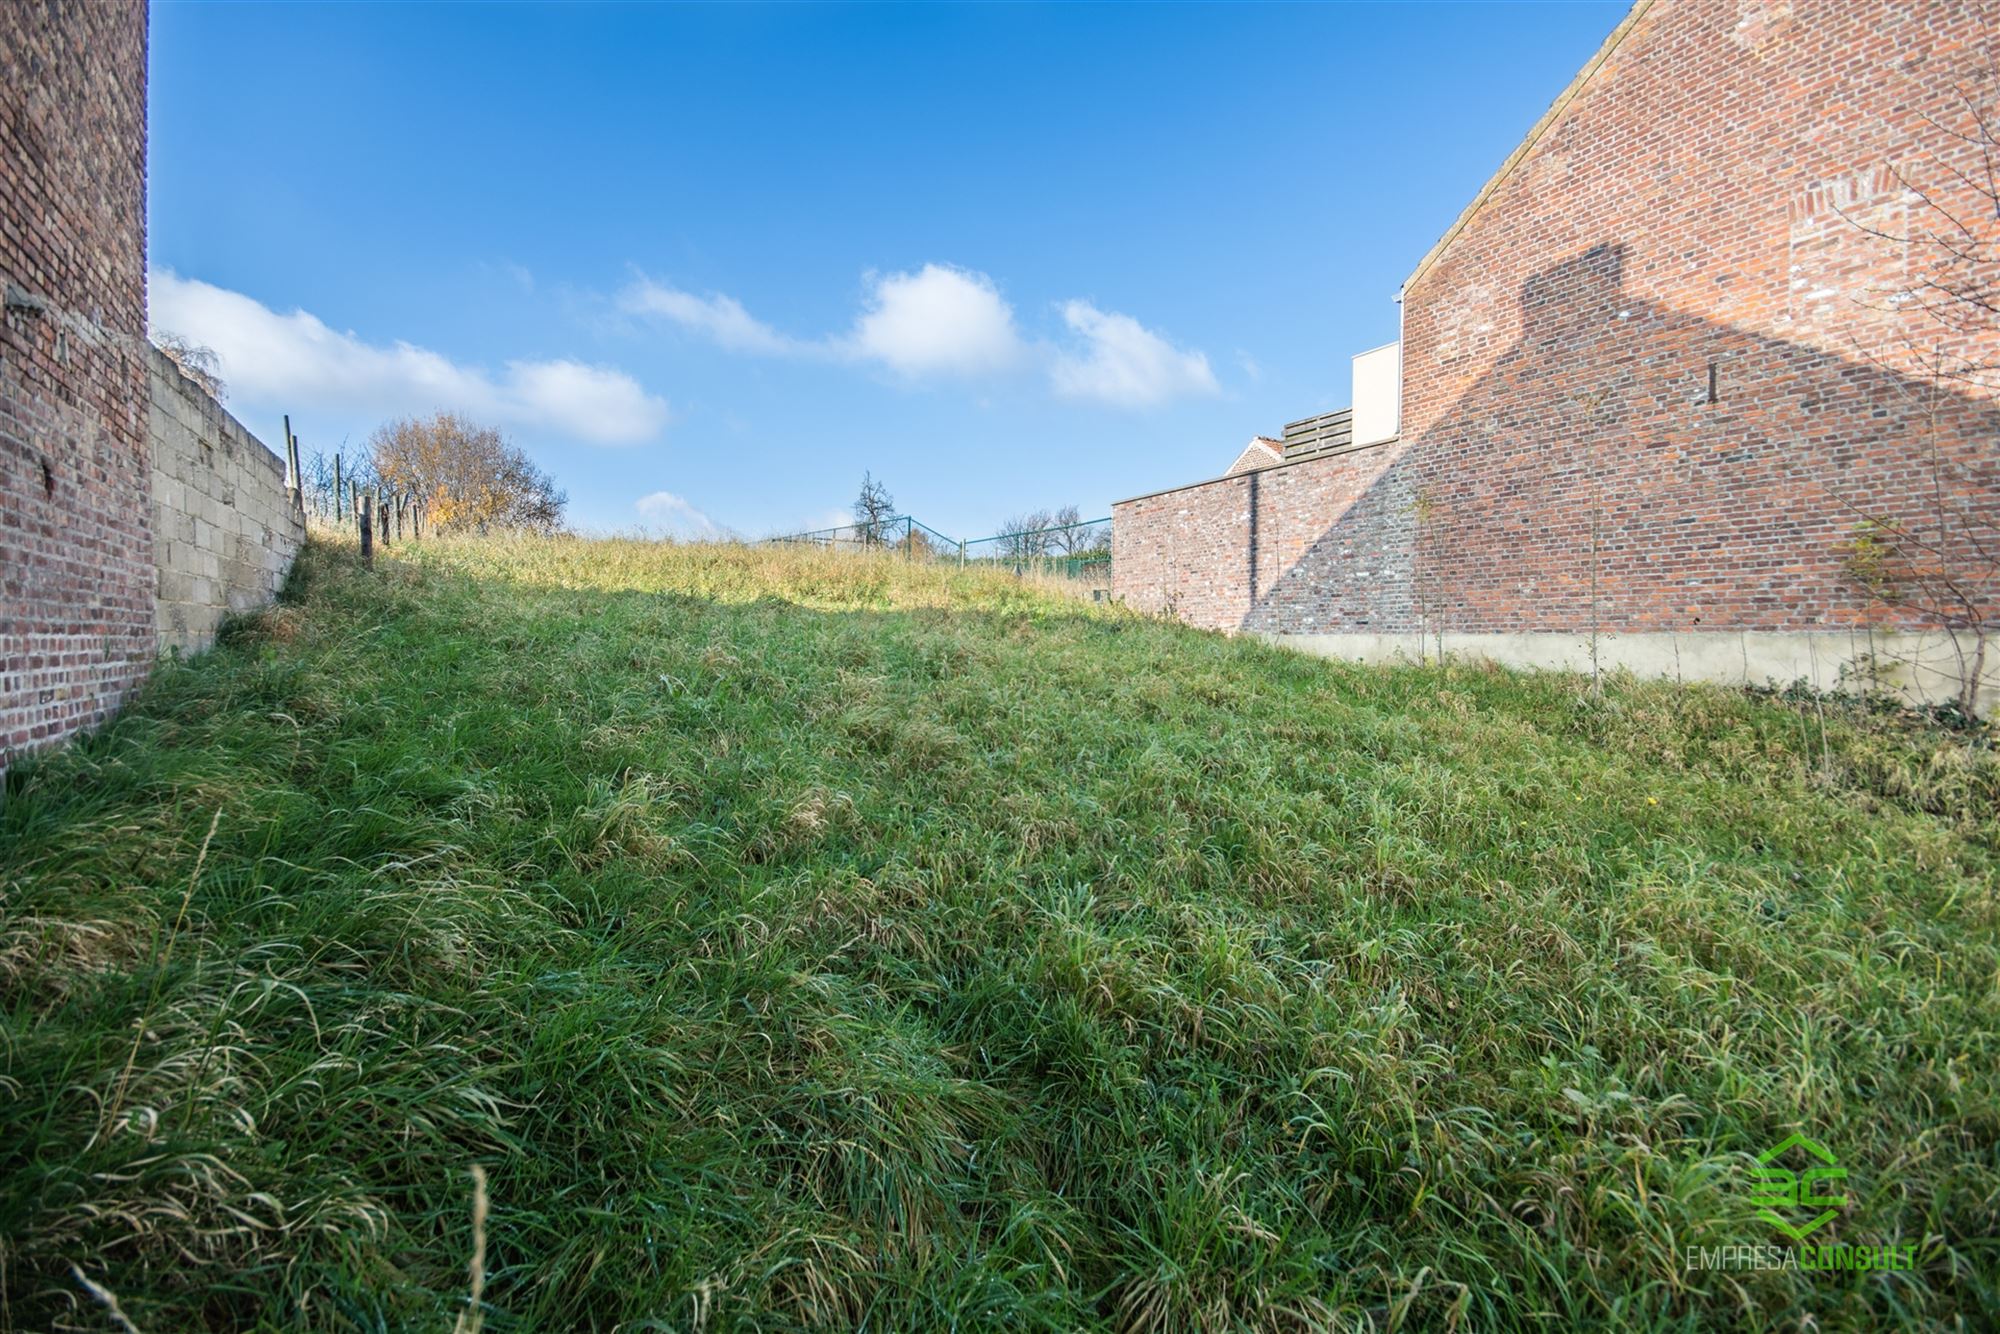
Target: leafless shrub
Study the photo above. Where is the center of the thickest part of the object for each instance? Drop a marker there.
(197, 362)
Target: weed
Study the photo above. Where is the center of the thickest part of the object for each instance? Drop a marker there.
(784, 939)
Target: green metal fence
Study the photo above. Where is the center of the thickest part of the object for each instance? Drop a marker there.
(1075, 551)
(1080, 552)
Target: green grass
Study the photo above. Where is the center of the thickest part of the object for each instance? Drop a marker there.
(803, 941)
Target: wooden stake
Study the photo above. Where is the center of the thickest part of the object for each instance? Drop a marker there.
(295, 464)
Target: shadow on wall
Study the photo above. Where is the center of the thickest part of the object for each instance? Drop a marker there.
(1357, 575)
(1628, 467)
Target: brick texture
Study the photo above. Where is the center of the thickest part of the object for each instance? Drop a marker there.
(76, 546)
(1693, 217)
(1261, 452)
(1279, 548)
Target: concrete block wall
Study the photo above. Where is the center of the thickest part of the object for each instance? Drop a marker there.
(76, 543)
(225, 523)
(134, 511)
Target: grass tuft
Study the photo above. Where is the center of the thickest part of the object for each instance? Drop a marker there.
(777, 939)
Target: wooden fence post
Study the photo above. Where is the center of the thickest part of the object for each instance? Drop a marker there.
(367, 520)
(337, 515)
(293, 482)
(295, 468)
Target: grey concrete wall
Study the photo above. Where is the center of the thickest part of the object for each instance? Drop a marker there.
(225, 525)
(1922, 667)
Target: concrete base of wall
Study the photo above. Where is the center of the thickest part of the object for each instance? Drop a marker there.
(1924, 668)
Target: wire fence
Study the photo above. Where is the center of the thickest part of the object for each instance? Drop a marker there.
(337, 494)
(1078, 552)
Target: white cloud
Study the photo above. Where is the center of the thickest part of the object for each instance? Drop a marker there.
(941, 321)
(938, 320)
(1124, 363)
(669, 513)
(594, 403)
(722, 319)
(295, 360)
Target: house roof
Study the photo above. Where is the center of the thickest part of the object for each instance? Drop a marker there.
(1261, 452)
(1541, 127)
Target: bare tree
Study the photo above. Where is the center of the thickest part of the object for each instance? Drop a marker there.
(873, 508)
(197, 362)
(1071, 536)
(1025, 536)
(467, 475)
(1940, 559)
(340, 472)
(317, 483)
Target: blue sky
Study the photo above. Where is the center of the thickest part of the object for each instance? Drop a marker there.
(708, 264)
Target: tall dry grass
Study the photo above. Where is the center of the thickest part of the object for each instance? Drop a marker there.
(801, 941)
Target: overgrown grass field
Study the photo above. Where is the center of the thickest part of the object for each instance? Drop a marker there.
(801, 941)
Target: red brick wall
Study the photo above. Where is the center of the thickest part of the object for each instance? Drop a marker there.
(1680, 214)
(76, 559)
(1291, 548)
(1695, 205)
